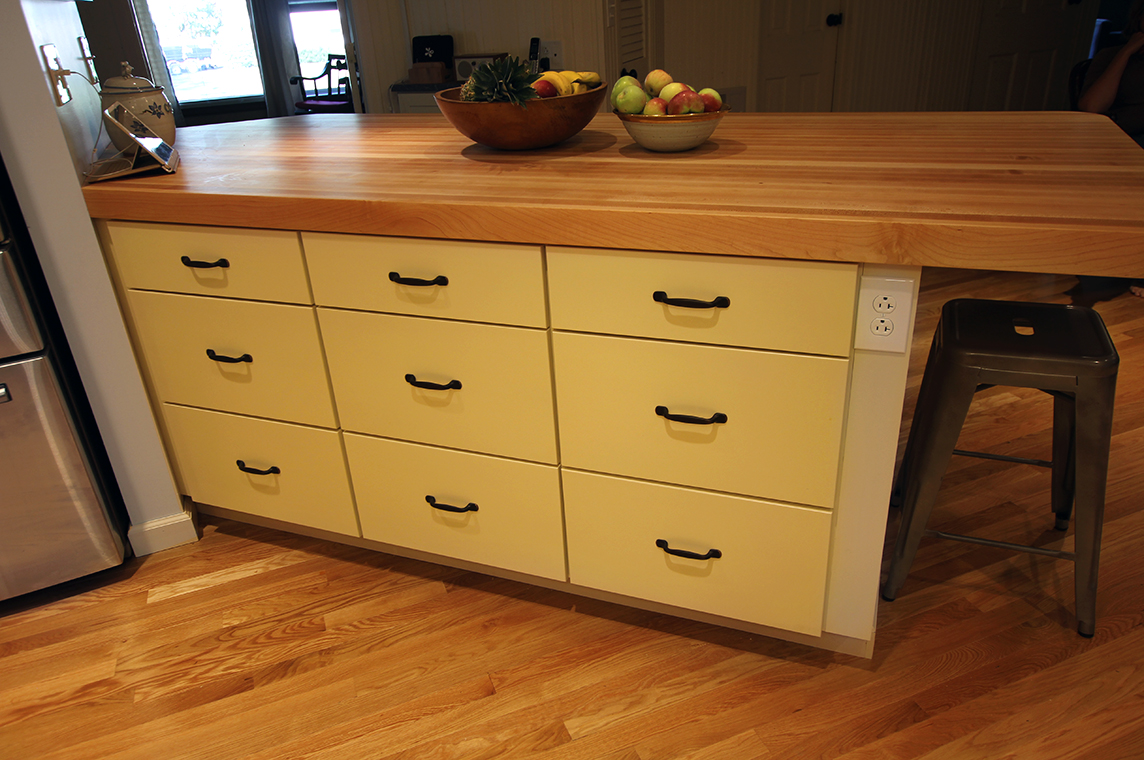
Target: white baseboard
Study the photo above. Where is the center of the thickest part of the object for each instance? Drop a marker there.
(164, 533)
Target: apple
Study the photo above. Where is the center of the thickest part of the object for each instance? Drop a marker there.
(687, 101)
(655, 107)
(669, 91)
(656, 81)
(712, 100)
(631, 99)
(544, 88)
(621, 83)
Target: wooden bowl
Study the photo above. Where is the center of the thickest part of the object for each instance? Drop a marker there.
(542, 122)
(671, 133)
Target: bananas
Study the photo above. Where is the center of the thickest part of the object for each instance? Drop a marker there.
(571, 82)
(559, 81)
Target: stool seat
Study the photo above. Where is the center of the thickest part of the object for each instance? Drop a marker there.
(1028, 337)
(1062, 350)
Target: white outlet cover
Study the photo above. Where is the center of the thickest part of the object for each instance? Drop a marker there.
(553, 50)
(871, 331)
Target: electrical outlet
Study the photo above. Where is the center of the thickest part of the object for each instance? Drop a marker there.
(553, 50)
(883, 319)
(55, 71)
(885, 304)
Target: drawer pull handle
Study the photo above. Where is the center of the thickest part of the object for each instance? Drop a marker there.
(440, 279)
(711, 553)
(720, 302)
(228, 359)
(452, 385)
(219, 264)
(717, 418)
(255, 471)
(470, 507)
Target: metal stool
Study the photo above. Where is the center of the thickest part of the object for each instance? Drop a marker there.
(1063, 350)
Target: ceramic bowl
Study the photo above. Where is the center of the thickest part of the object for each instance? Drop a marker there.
(542, 122)
(671, 134)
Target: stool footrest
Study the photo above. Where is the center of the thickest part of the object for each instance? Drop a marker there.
(1002, 545)
(1002, 458)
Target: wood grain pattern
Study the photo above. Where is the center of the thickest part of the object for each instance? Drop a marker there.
(1046, 191)
(254, 643)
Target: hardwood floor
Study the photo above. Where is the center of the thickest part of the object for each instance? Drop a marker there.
(254, 643)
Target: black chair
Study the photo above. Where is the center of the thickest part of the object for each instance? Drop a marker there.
(1062, 350)
(1076, 82)
(334, 97)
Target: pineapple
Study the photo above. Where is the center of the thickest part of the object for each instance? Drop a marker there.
(505, 79)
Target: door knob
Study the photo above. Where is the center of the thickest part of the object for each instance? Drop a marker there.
(834, 19)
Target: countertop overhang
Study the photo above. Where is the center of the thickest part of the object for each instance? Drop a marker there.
(1054, 192)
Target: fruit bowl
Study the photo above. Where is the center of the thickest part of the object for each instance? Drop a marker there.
(669, 133)
(543, 122)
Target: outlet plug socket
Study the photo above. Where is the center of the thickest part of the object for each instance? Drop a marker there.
(553, 50)
(882, 321)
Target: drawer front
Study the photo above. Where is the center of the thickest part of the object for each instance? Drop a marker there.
(513, 518)
(772, 568)
(503, 405)
(806, 307)
(311, 487)
(263, 265)
(483, 282)
(784, 412)
(285, 378)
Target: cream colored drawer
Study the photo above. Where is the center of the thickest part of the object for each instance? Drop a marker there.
(773, 557)
(477, 282)
(782, 434)
(807, 307)
(503, 404)
(279, 372)
(293, 473)
(511, 516)
(263, 265)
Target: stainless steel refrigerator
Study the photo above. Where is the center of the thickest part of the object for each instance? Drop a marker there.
(59, 518)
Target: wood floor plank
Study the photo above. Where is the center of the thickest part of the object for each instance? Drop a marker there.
(744, 746)
(1082, 690)
(981, 727)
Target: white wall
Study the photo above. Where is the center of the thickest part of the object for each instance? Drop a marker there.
(45, 149)
(892, 55)
(385, 27)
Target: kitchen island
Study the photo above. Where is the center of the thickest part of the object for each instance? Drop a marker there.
(659, 372)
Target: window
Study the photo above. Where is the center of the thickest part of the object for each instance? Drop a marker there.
(317, 27)
(209, 49)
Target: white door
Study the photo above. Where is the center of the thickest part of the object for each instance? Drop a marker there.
(627, 37)
(1025, 51)
(798, 42)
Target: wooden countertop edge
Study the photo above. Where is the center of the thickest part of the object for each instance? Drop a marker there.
(1035, 247)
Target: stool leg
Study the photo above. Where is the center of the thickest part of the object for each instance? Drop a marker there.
(1094, 403)
(1064, 458)
(945, 403)
(921, 413)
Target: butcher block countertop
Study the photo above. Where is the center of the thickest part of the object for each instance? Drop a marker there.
(1031, 191)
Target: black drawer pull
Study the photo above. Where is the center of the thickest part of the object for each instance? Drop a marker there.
(711, 553)
(254, 471)
(452, 385)
(720, 302)
(717, 418)
(440, 279)
(228, 359)
(470, 507)
(189, 262)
